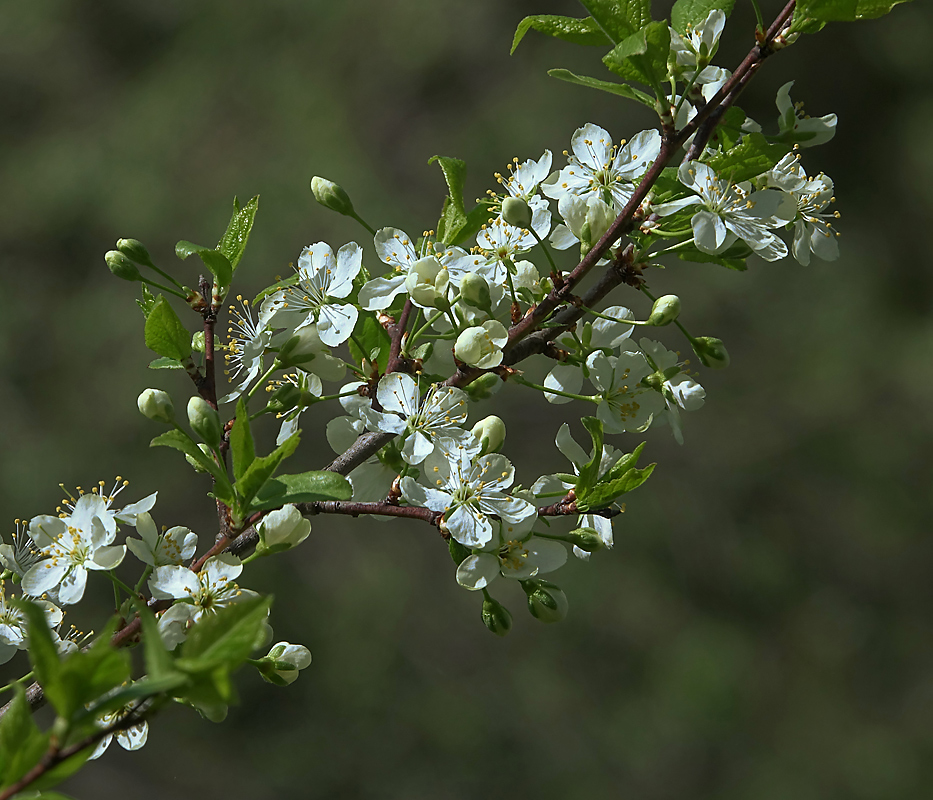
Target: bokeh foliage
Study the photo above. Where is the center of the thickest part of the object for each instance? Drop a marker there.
(762, 627)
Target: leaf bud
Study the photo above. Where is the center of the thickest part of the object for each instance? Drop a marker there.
(332, 196)
(711, 352)
(515, 211)
(204, 420)
(587, 539)
(490, 433)
(282, 664)
(665, 310)
(546, 602)
(281, 530)
(135, 250)
(474, 291)
(121, 266)
(484, 387)
(156, 405)
(496, 617)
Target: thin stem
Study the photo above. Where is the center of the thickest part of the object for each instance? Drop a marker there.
(13, 683)
(167, 289)
(363, 222)
(530, 385)
(263, 378)
(546, 249)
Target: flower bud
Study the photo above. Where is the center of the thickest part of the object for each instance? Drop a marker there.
(599, 216)
(121, 266)
(135, 250)
(282, 664)
(517, 212)
(331, 195)
(490, 433)
(204, 420)
(484, 387)
(496, 617)
(474, 291)
(546, 601)
(481, 346)
(427, 283)
(204, 449)
(665, 310)
(587, 539)
(711, 352)
(156, 405)
(281, 530)
(197, 341)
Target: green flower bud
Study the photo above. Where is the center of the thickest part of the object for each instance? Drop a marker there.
(204, 420)
(517, 212)
(587, 539)
(665, 310)
(282, 529)
(197, 341)
(135, 250)
(284, 661)
(474, 291)
(546, 601)
(496, 617)
(121, 266)
(490, 433)
(332, 196)
(711, 352)
(484, 387)
(481, 345)
(156, 405)
(204, 449)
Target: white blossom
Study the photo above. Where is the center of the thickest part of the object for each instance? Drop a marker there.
(156, 549)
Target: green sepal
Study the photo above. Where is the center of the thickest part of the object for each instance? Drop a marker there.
(224, 639)
(605, 492)
(620, 89)
(457, 551)
(166, 363)
(214, 260)
(233, 242)
(179, 440)
(164, 333)
(642, 56)
(303, 487)
(241, 441)
(693, 12)
(619, 18)
(22, 744)
(748, 159)
(373, 337)
(453, 213)
(589, 473)
(578, 31)
(262, 469)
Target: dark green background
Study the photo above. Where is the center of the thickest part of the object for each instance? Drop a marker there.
(762, 627)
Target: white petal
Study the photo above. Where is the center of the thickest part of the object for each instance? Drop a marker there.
(477, 571)
(336, 323)
(565, 378)
(569, 447)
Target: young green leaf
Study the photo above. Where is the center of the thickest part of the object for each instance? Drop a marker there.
(372, 336)
(623, 465)
(178, 440)
(214, 260)
(602, 494)
(590, 472)
(620, 89)
(43, 655)
(262, 469)
(224, 639)
(22, 744)
(823, 11)
(642, 56)
(304, 487)
(241, 441)
(619, 18)
(165, 335)
(579, 31)
(748, 159)
(233, 242)
(693, 12)
(453, 213)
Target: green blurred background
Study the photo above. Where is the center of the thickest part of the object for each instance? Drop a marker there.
(761, 628)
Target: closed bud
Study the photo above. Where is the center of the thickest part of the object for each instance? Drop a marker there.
(135, 250)
(711, 352)
(587, 539)
(490, 433)
(665, 310)
(121, 266)
(282, 529)
(193, 462)
(331, 195)
(484, 387)
(197, 341)
(156, 405)
(284, 661)
(546, 602)
(481, 345)
(204, 420)
(427, 283)
(496, 617)
(517, 212)
(474, 291)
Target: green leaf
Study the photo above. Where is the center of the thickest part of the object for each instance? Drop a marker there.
(291, 280)
(304, 487)
(590, 472)
(623, 465)
(453, 213)
(43, 655)
(642, 56)
(693, 12)
(475, 219)
(729, 130)
(178, 440)
(224, 639)
(748, 159)
(579, 31)
(262, 469)
(372, 336)
(214, 260)
(88, 674)
(166, 363)
(165, 335)
(603, 494)
(619, 18)
(620, 89)
(22, 744)
(158, 661)
(843, 10)
(241, 441)
(233, 242)
(733, 257)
